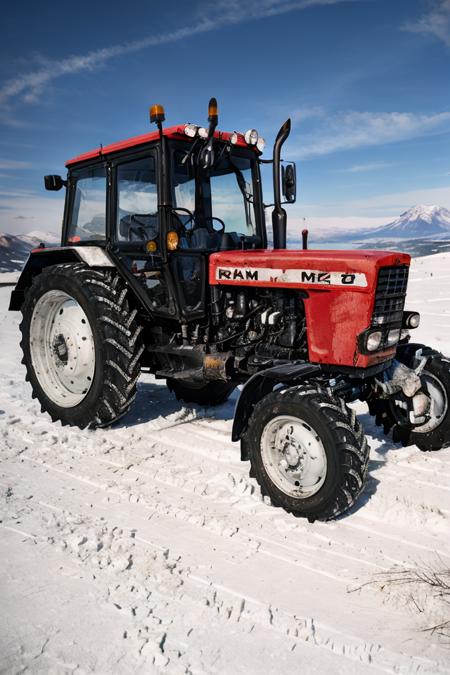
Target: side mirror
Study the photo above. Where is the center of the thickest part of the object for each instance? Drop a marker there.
(54, 183)
(289, 182)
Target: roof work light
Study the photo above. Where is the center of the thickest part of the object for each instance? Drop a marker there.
(213, 111)
(157, 114)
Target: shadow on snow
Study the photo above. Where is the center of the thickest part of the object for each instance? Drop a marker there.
(154, 401)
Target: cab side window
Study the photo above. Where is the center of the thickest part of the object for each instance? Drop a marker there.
(88, 215)
(137, 201)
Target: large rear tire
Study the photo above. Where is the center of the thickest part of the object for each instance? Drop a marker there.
(203, 393)
(81, 345)
(435, 376)
(308, 452)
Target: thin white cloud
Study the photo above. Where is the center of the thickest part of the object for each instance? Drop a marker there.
(323, 227)
(23, 211)
(352, 130)
(400, 201)
(312, 112)
(378, 206)
(434, 22)
(13, 164)
(29, 86)
(370, 166)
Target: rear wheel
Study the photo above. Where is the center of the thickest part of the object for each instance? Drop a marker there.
(81, 345)
(434, 434)
(307, 451)
(203, 393)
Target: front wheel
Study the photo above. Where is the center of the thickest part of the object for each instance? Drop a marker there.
(308, 452)
(434, 433)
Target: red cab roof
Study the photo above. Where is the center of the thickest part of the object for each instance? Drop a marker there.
(136, 141)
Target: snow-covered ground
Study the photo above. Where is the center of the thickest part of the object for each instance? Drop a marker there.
(146, 548)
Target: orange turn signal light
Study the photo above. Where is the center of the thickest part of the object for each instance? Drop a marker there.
(172, 240)
(157, 113)
(151, 246)
(213, 111)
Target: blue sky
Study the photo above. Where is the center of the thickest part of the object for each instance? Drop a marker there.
(366, 82)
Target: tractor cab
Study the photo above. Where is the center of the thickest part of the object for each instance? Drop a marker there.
(161, 203)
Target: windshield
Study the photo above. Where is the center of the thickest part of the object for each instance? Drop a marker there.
(224, 192)
(232, 194)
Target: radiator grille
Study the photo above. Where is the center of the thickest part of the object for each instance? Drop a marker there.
(390, 296)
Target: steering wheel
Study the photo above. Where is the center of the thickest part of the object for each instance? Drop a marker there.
(140, 226)
(219, 220)
(190, 219)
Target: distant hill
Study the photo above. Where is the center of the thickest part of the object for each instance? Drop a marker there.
(421, 230)
(49, 238)
(418, 222)
(14, 248)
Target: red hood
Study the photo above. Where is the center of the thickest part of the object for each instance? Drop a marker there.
(339, 293)
(357, 270)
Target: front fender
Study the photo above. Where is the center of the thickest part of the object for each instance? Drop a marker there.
(93, 256)
(261, 384)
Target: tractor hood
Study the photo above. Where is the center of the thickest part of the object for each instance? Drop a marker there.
(280, 268)
(340, 289)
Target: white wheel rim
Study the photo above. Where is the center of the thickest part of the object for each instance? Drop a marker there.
(439, 403)
(293, 456)
(62, 348)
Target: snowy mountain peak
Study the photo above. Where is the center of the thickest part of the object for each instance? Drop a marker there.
(426, 212)
(421, 220)
(14, 248)
(47, 237)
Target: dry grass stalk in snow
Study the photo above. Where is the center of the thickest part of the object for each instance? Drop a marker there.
(428, 590)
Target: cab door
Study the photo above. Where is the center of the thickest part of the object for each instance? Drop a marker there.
(136, 233)
(189, 260)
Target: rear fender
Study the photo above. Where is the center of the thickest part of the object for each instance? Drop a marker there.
(261, 384)
(39, 259)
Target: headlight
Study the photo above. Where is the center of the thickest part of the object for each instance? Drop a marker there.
(374, 340)
(411, 319)
(251, 137)
(393, 337)
(202, 132)
(190, 130)
(233, 138)
(261, 144)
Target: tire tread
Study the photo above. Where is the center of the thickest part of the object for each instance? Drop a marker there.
(121, 348)
(350, 443)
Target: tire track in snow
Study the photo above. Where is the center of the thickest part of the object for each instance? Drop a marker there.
(193, 492)
(242, 608)
(177, 484)
(155, 507)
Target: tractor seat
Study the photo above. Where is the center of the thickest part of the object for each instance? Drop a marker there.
(204, 239)
(139, 227)
(229, 241)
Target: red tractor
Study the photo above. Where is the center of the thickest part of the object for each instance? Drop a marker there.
(164, 267)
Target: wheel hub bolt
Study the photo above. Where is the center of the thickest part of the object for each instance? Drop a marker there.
(60, 348)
